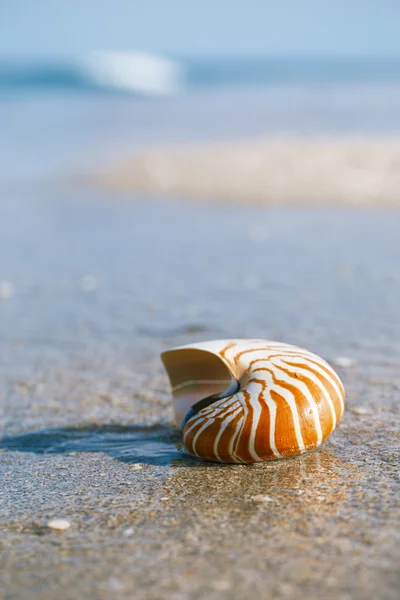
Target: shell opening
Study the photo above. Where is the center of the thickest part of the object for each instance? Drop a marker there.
(197, 378)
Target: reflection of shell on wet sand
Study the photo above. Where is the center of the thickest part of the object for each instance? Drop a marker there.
(300, 535)
(313, 485)
(244, 401)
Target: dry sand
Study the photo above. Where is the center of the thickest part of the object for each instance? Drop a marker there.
(276, 170)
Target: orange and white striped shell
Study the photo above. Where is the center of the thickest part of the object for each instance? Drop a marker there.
(243, 401)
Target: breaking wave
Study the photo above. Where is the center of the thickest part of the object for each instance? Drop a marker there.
(143, 74)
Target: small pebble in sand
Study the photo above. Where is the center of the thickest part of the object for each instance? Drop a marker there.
(128, 532)
(286, 589)
(6, 290)
(220, 585)
(359, 410)
(88, 283)
(137, 467)
(59, 524)
(344, 361)
(262, 498)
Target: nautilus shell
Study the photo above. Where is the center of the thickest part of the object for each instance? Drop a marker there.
(243, 401)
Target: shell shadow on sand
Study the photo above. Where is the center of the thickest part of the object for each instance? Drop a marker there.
(315, 483)
(157, 445)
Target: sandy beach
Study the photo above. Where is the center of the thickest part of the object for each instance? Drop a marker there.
(275, 170)
(218, 213)
(87, 434)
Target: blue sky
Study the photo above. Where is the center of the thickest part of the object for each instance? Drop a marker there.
(201, 27)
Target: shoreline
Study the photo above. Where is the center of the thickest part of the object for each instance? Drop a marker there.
(281, 170)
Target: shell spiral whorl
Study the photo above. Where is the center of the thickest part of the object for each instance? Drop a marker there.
(243, 401)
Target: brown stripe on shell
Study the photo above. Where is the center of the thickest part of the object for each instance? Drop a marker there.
(204, 445)
(284, 434)
(242, 450)
(243, 352)
(226, 438)
(262, 445)
(322, 364)
(303, 408)
(218, 408)
(326, 383)
(190, 430)
(324, 409)
(226, 348)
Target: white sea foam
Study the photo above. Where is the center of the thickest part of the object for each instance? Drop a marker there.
(134, 72)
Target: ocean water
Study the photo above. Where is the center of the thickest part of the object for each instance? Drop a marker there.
(136, 73)
(62, 118)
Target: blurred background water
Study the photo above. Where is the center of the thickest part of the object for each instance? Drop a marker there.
(58, 118)
(82, 83)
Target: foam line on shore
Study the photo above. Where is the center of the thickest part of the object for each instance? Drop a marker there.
(291, 170)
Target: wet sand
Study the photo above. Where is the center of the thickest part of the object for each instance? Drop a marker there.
(84, 400)
(311, 170)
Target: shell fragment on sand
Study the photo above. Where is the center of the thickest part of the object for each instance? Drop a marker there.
(260, 498)
(344, 361)
(59, 524)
